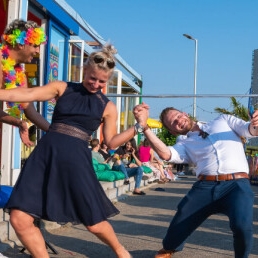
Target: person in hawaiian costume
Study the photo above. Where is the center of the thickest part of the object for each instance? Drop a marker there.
(21, 41)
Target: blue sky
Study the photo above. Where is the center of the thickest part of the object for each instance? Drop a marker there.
(148, 34)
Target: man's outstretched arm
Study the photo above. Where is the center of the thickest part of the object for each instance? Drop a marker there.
(141, 114)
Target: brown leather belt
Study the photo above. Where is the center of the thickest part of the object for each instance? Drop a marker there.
(225, 177)
(69, 130)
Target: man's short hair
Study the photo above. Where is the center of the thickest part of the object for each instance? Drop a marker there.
(21, 25)
(94, 143)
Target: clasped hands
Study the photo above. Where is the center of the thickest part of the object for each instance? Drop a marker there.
(253, 127)
(141, 113)
(254, 118)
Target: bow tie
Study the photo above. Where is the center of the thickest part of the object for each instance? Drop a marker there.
(203, 134)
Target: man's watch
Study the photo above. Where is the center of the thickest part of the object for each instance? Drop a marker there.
(140, 129)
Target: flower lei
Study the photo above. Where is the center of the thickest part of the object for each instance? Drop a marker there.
(14, 76)
(34, 36)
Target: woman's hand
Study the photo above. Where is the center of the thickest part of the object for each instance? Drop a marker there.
(141, 113)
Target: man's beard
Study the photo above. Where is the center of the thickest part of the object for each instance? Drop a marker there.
(189, 126)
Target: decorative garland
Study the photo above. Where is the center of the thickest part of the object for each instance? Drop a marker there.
(34, 36)
(14, 76)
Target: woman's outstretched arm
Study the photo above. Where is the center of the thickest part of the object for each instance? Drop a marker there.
(43, 93)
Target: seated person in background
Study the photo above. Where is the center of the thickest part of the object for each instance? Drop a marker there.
(147, 158)
(120, 166)
(159, 163)
(94, 143)
(126, 154)
(97, 155)
(169, 172)
(103, 150)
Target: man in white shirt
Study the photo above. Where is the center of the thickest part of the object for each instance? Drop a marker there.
(223, 186)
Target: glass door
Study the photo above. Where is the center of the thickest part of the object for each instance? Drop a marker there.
(76, 58)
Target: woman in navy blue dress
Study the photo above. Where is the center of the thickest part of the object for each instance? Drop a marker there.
(58, 182)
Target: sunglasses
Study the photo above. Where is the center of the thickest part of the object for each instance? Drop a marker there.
(99, 59)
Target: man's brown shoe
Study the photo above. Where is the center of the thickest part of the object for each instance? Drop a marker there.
(164, 253)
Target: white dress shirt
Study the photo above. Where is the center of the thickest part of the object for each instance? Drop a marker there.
(221, 152)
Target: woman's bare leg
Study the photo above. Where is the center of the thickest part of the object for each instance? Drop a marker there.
(28, 233)
(106, 234)
(160, 168)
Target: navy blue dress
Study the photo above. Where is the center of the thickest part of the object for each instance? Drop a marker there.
(58, 182)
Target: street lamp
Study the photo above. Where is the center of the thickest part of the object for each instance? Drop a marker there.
(195, 71)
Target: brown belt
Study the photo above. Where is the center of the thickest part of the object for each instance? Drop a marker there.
(69, 130)
(224, 177)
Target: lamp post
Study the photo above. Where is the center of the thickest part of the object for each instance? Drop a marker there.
(195, 71)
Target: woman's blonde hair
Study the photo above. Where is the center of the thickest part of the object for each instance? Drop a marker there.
(103, 59)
